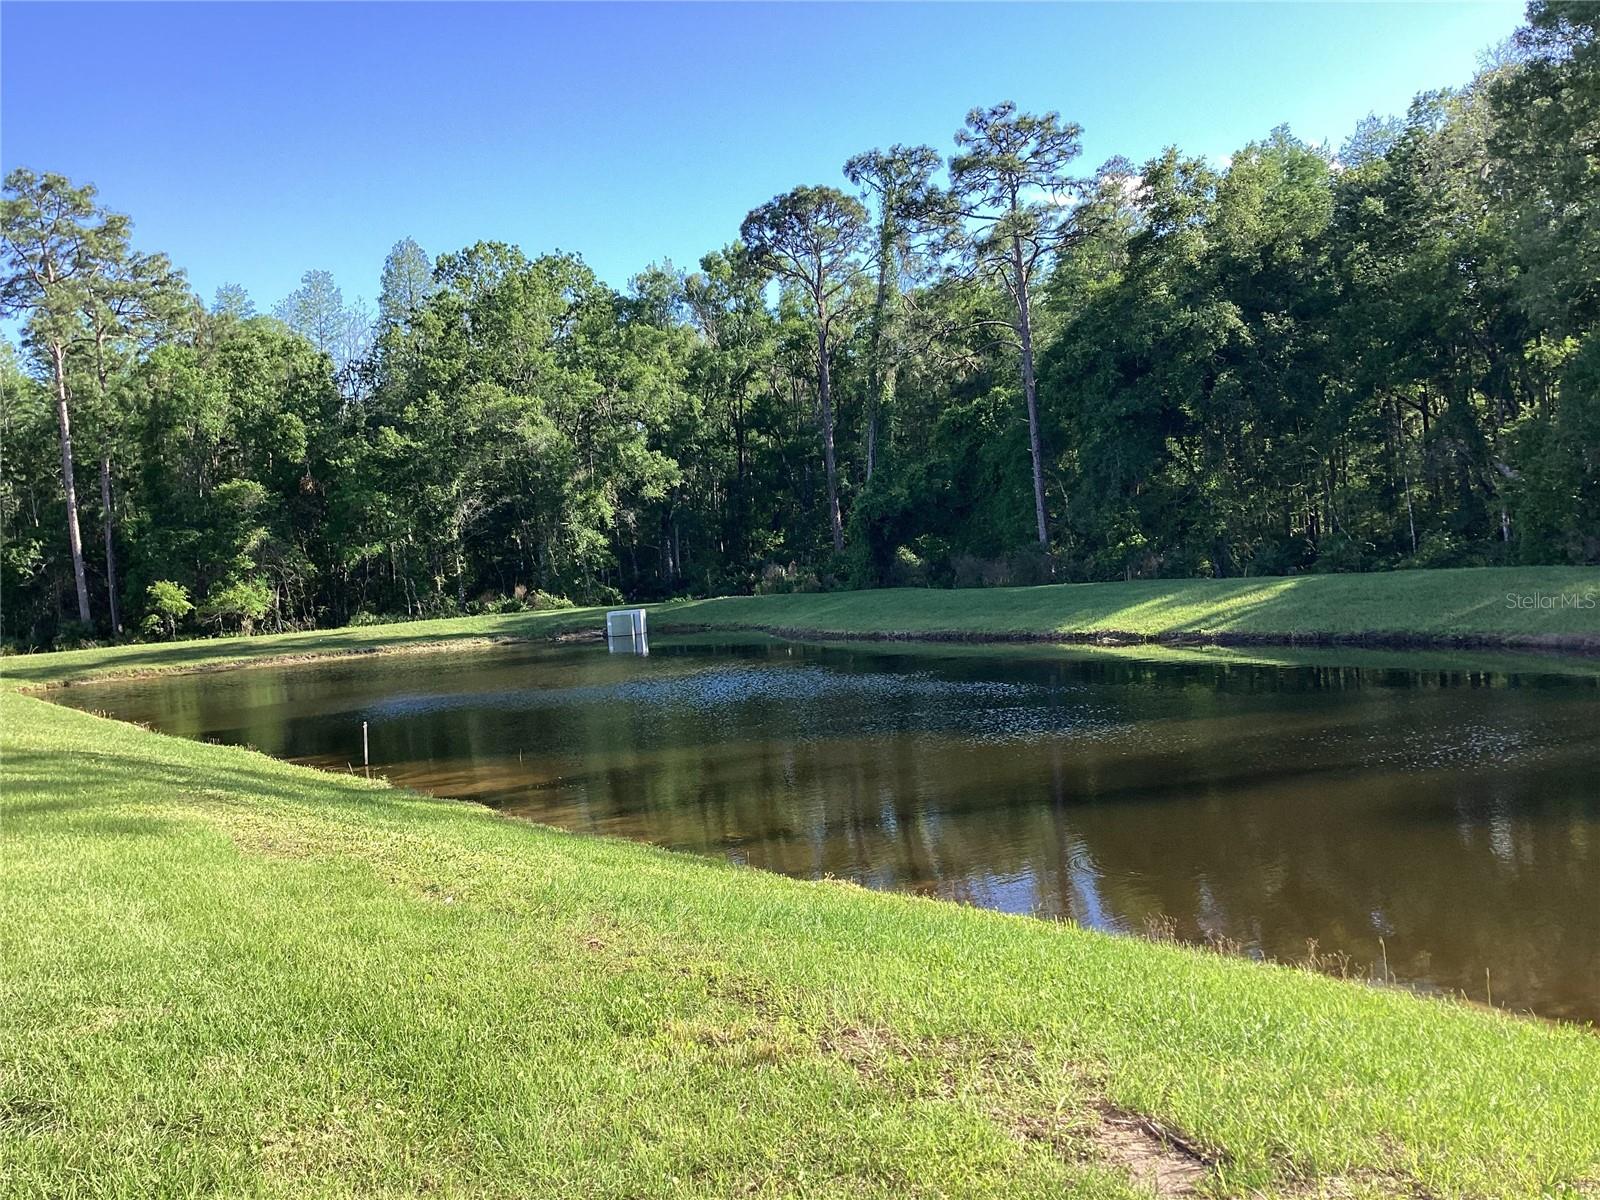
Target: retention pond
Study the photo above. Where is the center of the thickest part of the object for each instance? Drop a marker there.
(1437, 819)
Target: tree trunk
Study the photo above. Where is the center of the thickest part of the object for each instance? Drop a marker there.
(105, 484)
(669, 569)
(1030, 392)
(69, 487)
(1405, 476)
(881, 403)
(737, 502)
(111, 551)
(825, 398)
(879, 383)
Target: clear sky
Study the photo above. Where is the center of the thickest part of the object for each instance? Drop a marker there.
(253, 141)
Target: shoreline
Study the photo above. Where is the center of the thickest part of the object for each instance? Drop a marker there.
(1579, 645)
(592, 636)
(1555, 646)
(1468, 609)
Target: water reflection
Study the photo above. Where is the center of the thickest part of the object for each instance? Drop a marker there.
(633, 643)
(1450, 812)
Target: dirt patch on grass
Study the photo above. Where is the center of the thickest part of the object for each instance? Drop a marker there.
(1013, 1091)
(1063, 1112)
(257, 834)
(271, 843)
(330, 1146)
(1153, 1155)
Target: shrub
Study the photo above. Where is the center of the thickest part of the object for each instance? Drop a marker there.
(167, 603)
(543, 601)
(780, 580)
(907, 569)
(1019, 568)
(1341, 552)
(364, 616)
(966, 571)
(74, 635)
(522, 599)
(238, 602)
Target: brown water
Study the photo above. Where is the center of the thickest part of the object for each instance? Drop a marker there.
(1452, 813)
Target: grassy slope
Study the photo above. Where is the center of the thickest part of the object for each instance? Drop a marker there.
(1423, 604)
(35, 670)
(220, 972)
(1442, 605)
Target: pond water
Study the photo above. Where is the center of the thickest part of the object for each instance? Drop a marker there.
(1444, 818)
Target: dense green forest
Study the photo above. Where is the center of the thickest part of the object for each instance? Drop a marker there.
(999, 367)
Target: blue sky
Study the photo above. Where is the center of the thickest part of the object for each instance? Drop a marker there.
(254, 141)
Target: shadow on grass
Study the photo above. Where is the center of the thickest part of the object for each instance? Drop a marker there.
(68, 666)
(53, 815)
(83, 791)
(1402, 609)
(1298, 605)
(1466, 606)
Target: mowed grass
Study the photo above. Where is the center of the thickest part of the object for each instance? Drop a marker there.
(221, 974)
(35, 670)
(1439, 606)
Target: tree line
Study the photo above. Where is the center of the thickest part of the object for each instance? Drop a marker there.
(988, 369)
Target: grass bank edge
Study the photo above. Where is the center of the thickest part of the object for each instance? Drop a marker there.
(1239, 1056)
(1466, 608)
(1528, 607)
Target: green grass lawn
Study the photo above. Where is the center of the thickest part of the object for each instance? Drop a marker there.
(1429, 607)
(1437, 605)
(221, 974)
(35, 670)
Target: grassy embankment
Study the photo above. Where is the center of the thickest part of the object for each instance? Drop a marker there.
(1437, 608)
(223, 973)
(1461, 607)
